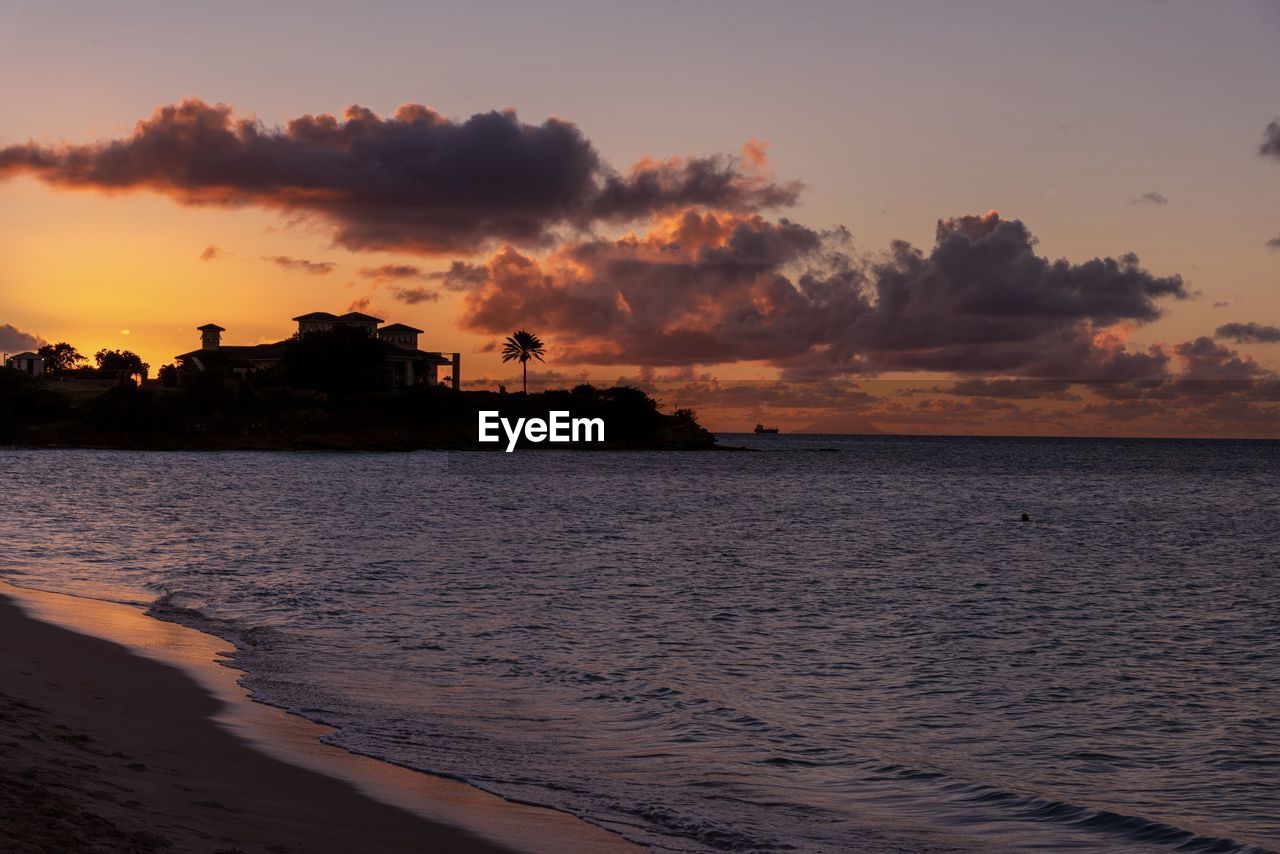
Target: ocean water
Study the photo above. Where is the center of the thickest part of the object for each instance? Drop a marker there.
(832, 644)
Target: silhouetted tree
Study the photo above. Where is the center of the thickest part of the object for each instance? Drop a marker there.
(523, 346)
(632, 413)
(122, 360)
(59, 357)
(168, 375)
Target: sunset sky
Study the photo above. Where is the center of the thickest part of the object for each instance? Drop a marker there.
(690, 195)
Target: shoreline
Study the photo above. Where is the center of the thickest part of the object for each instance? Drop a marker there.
(122, 732)
(370, 449)
(607, 447)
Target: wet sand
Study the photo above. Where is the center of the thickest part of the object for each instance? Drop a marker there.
(102, 749)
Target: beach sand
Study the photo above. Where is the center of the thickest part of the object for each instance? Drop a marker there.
(102, 749)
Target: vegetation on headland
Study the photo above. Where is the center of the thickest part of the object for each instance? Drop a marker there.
(216, 411)
(64, 360)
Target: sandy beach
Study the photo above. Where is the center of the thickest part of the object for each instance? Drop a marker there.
(102, 749)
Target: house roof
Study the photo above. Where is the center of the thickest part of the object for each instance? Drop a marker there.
(397, 353)
(241, 352)
(317, 315)
(212, 326)
(400, 327)
(273, 352)
(26, 355)
(355, 315)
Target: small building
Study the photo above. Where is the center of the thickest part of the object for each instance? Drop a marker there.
(210, 336)
(316, 321)
(406, 365)
(31, 364)
(240, 359)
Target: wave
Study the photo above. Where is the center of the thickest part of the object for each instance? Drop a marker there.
(1017, 806)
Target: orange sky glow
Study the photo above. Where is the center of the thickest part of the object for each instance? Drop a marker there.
(638, 274)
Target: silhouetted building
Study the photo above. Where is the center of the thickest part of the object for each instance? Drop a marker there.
(406, 365)
(31, 364)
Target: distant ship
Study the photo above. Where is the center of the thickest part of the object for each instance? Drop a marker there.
(760, 428)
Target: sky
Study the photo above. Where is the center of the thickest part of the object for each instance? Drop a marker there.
(764, 211)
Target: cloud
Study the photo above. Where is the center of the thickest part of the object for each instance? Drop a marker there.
(709, 288)
(413, 296)
(462, 276)
(982, 301)
(315, 268)
(1016, 389)
(655, 187)
(1206, 359)
(1227, 415)
(213, 253)
(1151, 197)
(391, 273)
(700, 287)
(359, 304)
(1222, 304)
(1270, 146)
(1192, 406)
(1249, 333)
(414, 181)
(459, 276)
(1207, 370)
(14, 340)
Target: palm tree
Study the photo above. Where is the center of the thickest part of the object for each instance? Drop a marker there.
(523, 345)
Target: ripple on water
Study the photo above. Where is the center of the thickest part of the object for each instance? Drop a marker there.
(740, 652)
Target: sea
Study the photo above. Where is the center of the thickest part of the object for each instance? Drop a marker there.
(820, 643)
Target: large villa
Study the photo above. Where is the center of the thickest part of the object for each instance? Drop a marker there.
(406, 365)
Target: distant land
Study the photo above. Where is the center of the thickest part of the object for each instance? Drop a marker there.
(210, 413)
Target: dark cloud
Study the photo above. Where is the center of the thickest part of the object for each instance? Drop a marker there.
(757, 395)
(1207, 360)
(1014, 389)
(1218, 416)
(1271, 141)
(653, 187)
(413, 296)
(391, 273)
(14, 340)
(415, 181)
(1249, 333)
(462, 276)
(711, 288)
(1151, 197)
(213, 253)
(459, 276)
(302, 265)
(1270, 147)
(983, 301)
(1207, 370)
